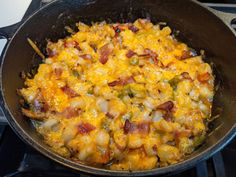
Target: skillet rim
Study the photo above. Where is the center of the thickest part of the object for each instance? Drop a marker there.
(183, 165)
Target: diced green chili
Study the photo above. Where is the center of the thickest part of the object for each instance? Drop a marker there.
(75, 73)
(174, 82)
(127, 116)
(198, 140)
(90, 91)
(134, 61)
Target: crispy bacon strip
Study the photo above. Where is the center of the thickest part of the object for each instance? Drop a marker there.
(186, 75)
(72, 44)
(58, 72)
(151, 54)
(109, 115)
(40, 106)
(167, 108)
(122, 82)
(143, 127)
(130, 54)
(117, 30)
(86, 56)
(70, 92)
(85, 128)
(70, 112)
(185, 54)
(104, 51)
(51, 52)
(203, 77)
(133, 28)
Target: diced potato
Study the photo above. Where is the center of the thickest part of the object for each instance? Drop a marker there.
(168, 153)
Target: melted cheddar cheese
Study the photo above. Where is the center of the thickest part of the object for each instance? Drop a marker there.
(125, 96)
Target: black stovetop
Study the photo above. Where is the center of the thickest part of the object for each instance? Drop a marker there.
(18, 159)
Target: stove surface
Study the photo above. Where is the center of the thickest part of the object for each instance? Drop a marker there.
(18, 159)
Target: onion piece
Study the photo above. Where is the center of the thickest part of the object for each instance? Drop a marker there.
(50, 123)
(157, 116)
(102, 104)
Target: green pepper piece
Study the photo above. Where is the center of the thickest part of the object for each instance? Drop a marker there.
(134, 61)
(198, 140)
(174, 82)
(90, 91)
(75, 73)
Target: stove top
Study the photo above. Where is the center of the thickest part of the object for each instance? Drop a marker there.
(18, 159)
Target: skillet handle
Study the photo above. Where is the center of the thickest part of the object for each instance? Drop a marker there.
(6, 33)
(228, 18)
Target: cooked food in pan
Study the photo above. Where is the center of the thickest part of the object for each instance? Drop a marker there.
(123, 96)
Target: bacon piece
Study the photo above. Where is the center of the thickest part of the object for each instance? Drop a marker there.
(128, 80)
(168, 116)
(70, 112)
(117, 30)
(45, 107)
(86, 56)
(129, 127)
(203, 77)
(185, 54)
(37, 105)
(58, 72)
(69, 44)
(186, 75)
(105, 51)
(142, 127)
(152, 54)
(51, 52)
(167, 106)
(77, 46)
(130, 54)
(72, 44)
(143, 22)
(114, 83)
(40, 106)
(105, 157)
(155, 60)
(133, 28)
(85, 128)
(122, 82)
(109, 115)
(154, 147)
(94, 47)
(70, 92)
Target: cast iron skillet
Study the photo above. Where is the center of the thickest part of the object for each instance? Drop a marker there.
(199, 28)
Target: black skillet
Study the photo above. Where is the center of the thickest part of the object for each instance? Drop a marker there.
(198, 27)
